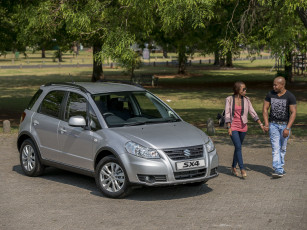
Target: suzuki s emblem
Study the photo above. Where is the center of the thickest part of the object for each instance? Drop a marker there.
(187, 152)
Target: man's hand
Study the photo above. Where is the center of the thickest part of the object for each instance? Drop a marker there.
(285, 133)
(266, 128)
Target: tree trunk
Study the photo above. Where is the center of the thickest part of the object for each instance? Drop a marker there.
(164, 53)
(229, 59)
(97, 63)
(216, 57)
(288, 66)
(132, 74)
(60, 55)
(182, 60)
(222, 61)
(78, 48)
(43, 53)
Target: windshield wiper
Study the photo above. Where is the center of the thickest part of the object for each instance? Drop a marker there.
(135, 123)
(151, 122)
(172, 120)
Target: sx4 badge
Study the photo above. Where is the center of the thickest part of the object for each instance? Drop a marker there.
(190, 164)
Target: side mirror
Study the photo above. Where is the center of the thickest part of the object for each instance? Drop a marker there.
(77, 121)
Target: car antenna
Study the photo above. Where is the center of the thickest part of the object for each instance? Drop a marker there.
(72, 80)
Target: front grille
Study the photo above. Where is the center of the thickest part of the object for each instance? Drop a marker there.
(189, 174)
(179, 154)
(153, 178)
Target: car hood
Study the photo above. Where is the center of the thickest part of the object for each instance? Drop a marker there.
(164, 135)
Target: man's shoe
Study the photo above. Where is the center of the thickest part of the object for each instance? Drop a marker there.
(277, 175)
(284, 172)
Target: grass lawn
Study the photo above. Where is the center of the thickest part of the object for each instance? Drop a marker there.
(86, 57)
(197, 96)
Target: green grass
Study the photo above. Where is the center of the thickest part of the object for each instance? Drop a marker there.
(197, 96)
(86, 57)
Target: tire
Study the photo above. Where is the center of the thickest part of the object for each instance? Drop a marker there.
(30, 160)
(111, 178)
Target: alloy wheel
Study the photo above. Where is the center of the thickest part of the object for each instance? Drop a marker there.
(28, 158)
(112, 177)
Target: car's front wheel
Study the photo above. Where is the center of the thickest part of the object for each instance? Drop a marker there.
(111, 178)
(29, 159)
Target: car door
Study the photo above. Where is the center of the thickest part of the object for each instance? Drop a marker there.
(76, 143)
(45, 124)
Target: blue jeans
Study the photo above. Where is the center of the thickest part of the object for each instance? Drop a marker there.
(279, 146)
(237, 140)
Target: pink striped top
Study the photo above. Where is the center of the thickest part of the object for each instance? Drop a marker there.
(237, 123)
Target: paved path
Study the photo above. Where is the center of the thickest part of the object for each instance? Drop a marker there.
(63, 200)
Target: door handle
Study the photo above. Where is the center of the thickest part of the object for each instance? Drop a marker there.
(35, 122)
(62, 130)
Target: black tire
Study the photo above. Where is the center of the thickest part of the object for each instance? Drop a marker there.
(114, 183)
(30, 159)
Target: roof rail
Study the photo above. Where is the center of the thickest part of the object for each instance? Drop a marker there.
(68, 84)
(121, 81)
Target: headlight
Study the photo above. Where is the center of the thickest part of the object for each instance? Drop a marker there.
(141, 151)
(209, 145)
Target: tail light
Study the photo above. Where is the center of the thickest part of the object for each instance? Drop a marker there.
(23, 116)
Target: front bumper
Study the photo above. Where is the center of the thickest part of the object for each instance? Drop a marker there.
(159, 172)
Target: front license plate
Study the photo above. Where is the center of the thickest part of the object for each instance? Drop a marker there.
(190, 164)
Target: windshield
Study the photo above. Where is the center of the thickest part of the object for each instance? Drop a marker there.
(133, 108)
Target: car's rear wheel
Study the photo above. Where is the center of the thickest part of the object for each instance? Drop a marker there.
(111, 178)
(29, 159)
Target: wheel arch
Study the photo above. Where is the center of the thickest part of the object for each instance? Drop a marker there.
(103, 152)
(26, 135)
(22, 137)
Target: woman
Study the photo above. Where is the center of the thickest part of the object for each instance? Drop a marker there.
(236, 111)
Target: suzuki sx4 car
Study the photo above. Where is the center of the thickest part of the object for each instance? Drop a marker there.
(121, 134)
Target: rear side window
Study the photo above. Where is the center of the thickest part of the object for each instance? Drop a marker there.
(51, 105)
(34, 98)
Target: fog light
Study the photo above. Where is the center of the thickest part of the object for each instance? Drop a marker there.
(150, 179)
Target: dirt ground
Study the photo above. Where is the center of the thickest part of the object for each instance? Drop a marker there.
(64, 200)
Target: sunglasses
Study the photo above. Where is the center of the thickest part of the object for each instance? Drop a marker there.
(244, 89)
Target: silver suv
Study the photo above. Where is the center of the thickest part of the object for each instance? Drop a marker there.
(120, 134)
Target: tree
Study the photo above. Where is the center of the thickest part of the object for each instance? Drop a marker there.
(181, 21)
(302, 12)
(40, 24)
(277, 24)
(111, 26)
(8, 27)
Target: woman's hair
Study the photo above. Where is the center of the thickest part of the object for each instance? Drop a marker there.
(237, 86)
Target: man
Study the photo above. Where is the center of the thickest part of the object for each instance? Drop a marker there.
(282, 116)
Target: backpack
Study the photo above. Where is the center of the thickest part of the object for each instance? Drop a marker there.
(221, 118)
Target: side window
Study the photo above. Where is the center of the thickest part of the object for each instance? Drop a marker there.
(76, 106)
(34, 98)
(51, 104)
(94, 122)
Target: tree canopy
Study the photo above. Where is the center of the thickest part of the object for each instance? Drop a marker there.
(112, 27)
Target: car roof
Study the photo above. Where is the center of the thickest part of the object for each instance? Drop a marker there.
(99, 87)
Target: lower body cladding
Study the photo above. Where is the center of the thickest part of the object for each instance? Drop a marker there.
(164, 171)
